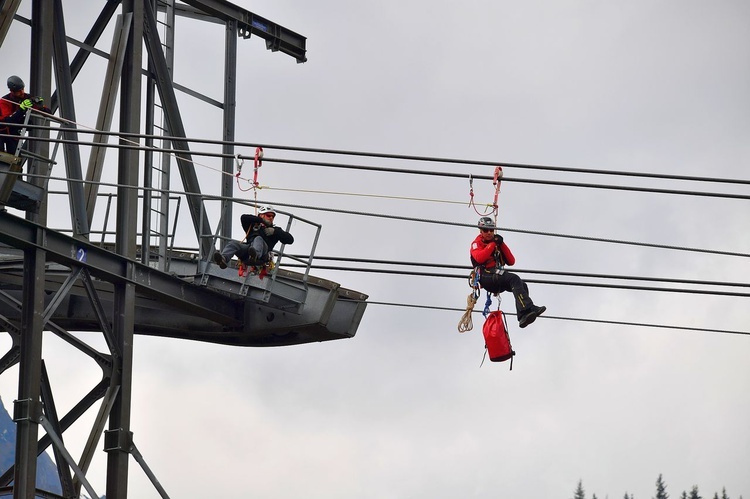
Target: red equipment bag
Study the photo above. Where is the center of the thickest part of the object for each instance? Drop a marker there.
(496, 338)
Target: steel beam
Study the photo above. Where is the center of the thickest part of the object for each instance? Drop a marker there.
(40, 84)
(64, 80)
(110, 7)
(8, 9)
(276, 37)
(106, 111)
(177, 129)
(28, 407)
(125, 246)
(110, 267)
(230, 105)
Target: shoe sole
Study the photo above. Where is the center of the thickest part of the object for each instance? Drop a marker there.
(530, 318)
(219, 260)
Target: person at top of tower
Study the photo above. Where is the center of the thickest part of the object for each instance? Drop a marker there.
(261, 235)
(13, 107)
(489, 254)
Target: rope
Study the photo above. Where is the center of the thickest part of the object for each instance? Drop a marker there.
(465, 324)
(361, 194)
(496, 182)
(491, 208)
(257, 163)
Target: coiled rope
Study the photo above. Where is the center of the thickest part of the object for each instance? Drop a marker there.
(466, 324)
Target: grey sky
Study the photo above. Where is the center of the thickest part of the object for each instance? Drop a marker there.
(403, 410)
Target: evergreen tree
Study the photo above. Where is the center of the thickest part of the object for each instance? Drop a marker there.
(661, 488)
(593, 496)
(694, 493)
(716, 495)
(724, 493)
(684, 495)
(579, 494)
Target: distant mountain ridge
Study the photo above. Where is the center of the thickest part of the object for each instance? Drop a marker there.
(46, 471)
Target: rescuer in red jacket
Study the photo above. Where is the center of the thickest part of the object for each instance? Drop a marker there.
(13, 107)
(490, 255)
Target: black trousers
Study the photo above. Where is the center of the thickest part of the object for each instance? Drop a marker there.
(507, 281)
(9, 144)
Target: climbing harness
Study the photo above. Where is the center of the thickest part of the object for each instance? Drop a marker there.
(260, 270)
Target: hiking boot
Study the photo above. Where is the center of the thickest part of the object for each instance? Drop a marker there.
(530, 316)
(219, 260)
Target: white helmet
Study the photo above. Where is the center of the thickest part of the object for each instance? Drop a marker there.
(266, 208)
(486, 223)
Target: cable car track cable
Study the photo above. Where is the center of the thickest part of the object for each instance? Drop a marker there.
(574, 319)
(412, 273)
(458, 161)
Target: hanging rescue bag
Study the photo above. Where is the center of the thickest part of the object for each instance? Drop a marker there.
(496, 338)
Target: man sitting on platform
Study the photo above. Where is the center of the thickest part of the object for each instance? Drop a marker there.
(261, 235)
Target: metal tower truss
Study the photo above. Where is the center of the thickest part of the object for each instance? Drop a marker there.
(102, 272)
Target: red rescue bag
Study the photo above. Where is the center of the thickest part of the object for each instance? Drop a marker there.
(496, 338)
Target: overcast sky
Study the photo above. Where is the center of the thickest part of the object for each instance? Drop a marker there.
(403, 410)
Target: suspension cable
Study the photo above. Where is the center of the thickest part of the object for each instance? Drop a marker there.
(539, 281)
(509, 229)
(445, 222)
(451, 161)
(467, 268)
(575, 319)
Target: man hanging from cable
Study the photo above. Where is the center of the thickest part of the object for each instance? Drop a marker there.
(489, 254)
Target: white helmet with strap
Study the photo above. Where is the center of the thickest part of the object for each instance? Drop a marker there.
(486, 223)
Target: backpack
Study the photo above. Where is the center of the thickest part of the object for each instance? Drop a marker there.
(496, 338)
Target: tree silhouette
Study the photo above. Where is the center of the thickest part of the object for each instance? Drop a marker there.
(661, 488)
(579, 494)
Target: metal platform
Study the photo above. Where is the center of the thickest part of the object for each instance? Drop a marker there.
(196, 300)
(15, 192)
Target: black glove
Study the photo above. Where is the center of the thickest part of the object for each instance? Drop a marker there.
(498, 240)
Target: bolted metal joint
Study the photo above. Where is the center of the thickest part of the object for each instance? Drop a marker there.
(27, 410)
(118, 440)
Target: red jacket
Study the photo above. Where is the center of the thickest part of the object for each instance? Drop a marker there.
(8, 108)
(483, 253)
